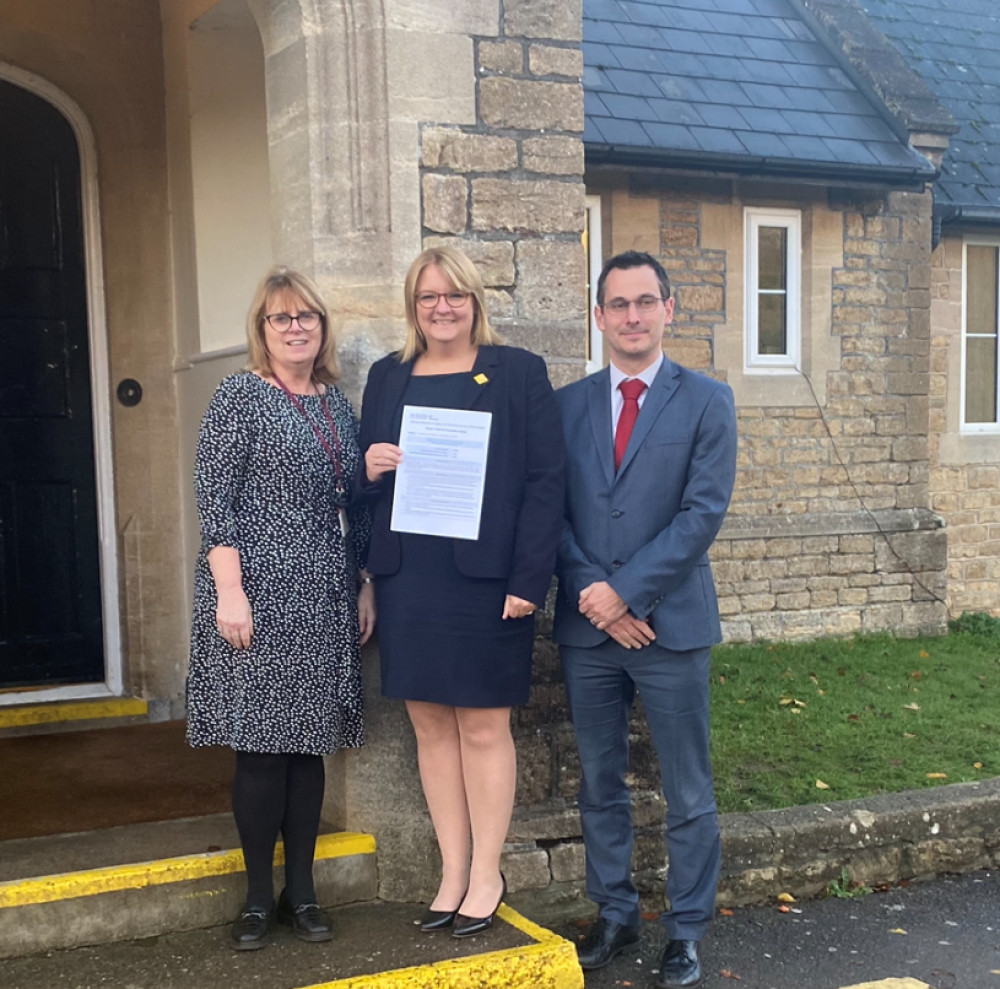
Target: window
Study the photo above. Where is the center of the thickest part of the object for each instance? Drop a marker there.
(592, 244)
(773, 258)
(982, 303)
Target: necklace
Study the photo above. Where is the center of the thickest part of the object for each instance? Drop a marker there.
(335, 456)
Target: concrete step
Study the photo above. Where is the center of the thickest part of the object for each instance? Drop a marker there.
(27, 718)
(375, 946)
(143, 880)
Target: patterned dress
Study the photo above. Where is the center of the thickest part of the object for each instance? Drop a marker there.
(265, 485)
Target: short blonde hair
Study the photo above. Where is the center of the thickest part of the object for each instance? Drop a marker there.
(464, 275)
(280, 280)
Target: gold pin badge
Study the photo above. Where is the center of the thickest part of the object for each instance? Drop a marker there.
(480, 379)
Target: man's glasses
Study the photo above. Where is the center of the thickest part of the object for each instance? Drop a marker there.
(282, 322)
(428, 300)
(644, 304)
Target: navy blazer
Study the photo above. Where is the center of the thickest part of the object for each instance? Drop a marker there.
(523, 488)
(646, 529)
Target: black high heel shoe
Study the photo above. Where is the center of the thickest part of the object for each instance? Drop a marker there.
(439, 920)
(468, 926)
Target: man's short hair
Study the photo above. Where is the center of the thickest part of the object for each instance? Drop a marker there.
(633, 259)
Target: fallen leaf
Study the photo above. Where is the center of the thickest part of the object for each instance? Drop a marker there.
(785, 701)
(977, 765)
(821, 692)
(897, 930)
(854, 717)
(912, 707)
(937, 776)
(726, 912)
(907, 734)
(820, 785)
(722, 679)
(800, 703)
(786, 898)
(784, 909)
(916, 675)
(726, 974)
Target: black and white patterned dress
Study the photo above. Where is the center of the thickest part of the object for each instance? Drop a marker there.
(265, 485)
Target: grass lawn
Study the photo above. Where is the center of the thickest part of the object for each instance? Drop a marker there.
(838, 719)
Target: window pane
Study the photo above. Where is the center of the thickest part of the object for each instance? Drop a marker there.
(771, 324)
(981, 330)
(772, 247)
(981, 380)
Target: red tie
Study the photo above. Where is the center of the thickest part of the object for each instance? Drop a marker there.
(631, 390)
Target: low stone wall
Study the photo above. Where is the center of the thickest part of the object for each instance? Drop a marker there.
(911, 835)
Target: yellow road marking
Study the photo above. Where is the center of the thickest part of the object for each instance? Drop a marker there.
(91, 882)
(46, 714)
(891, 984)
(550, 963)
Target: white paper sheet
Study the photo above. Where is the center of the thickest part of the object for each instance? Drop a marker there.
(439, 484)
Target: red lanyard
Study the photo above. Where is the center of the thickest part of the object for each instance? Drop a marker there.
(336, 458)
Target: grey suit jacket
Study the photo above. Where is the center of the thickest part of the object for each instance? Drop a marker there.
(647, 528)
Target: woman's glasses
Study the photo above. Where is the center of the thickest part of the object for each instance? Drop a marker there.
(282, 321)
(428, 300)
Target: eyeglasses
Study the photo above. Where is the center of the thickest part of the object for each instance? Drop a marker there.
(282, 322)
(644, 304)
(429, 300)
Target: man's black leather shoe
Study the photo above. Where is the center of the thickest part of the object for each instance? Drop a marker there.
(680, 967)
(603, 941)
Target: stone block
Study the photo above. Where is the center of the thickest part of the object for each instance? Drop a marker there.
(567, 861)
(525, 867)
(551, 282)
(493, 258)
(547, 60)
(528, 104)
(504, 57)
(527, 206)
(449, 148)
(534, 769)
(445, 203)
(553, 155)
(562, 21)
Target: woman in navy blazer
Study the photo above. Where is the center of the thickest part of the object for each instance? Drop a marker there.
(456, 626)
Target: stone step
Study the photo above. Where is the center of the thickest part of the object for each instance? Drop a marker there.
(27, 718)
(376, 945)
(141, 880)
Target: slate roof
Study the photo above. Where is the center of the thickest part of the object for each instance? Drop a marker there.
(732, 84)
(954, 45)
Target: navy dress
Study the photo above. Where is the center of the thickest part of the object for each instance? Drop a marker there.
(441, 635)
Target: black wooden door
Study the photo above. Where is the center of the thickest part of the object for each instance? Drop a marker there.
(50, 585)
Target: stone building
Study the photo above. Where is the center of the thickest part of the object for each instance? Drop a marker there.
(168, 151)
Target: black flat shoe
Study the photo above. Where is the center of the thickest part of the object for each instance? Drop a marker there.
(469, 926)
(307, 921)
(680, 967)
(438, 920)
(252, 929)
(603, 941)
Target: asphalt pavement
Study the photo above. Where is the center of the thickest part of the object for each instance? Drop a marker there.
(944, 933)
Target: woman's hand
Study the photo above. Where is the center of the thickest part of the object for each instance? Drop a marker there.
(380, 459)
(515, 607)
(233, 618)
(366, 611)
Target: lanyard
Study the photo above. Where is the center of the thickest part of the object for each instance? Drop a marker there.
(336, 457)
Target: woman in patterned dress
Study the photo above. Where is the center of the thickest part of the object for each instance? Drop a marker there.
(456, 626)
(282, 601)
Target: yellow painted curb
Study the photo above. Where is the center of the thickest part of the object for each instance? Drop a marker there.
(891, 984)
(550, 963)
(47, 714)
(69, 885)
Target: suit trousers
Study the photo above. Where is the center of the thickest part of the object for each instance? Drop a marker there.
(601, 683)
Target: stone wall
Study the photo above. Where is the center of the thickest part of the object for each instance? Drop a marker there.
(965, 467)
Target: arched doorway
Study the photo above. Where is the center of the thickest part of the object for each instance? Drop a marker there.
(50, 582)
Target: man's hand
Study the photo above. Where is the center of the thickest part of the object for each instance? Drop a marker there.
(631, 632)
(600, 603)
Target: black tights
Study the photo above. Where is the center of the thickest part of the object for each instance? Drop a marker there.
(273, 793)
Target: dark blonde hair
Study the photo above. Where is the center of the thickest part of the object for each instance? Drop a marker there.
(280, 280)
(464, 275)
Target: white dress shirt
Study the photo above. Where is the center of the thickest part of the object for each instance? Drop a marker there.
(618, 376)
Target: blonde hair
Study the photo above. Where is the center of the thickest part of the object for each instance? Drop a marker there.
(283, 280)
(464, 275)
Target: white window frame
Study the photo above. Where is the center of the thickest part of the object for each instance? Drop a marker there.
(791, 220)
(595, 255)
(976, 427)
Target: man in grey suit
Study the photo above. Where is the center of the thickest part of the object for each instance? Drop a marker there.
(651, 465)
